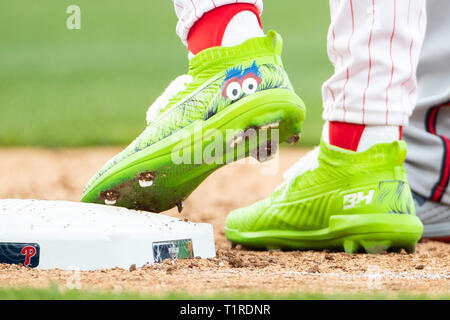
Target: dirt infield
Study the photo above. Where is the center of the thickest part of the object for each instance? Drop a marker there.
(61, 175)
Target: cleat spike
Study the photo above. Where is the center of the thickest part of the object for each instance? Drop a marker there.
(410, 249)
(243, 136)
(250, 131)
(376, 246)
(265, 152)
(271, 125)
(294, 139)
(110, 197)
(146, 179)
(145, 184)
(394, 250)
(180, 206)
(351, 246)
(237, 139)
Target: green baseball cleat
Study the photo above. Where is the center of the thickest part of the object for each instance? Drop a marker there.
(335, 199)
(204, 120)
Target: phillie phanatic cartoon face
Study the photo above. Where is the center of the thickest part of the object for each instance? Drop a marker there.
(239, 82)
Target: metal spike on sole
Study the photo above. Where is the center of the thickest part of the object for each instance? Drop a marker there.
(265, 152)
(110, 197)
(180, 206)
(271, 125)
(145, 184)
(294, 139)
(410, 249)
(146, 179)
(236, 140)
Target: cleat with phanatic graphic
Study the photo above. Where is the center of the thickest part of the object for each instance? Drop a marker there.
(233, 102)
(338, 200)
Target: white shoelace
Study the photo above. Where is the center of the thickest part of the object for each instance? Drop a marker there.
(308, 163)
(174, 88)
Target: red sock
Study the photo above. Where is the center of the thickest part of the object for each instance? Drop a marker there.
(345, 135)
(208, 31)
(348, 135)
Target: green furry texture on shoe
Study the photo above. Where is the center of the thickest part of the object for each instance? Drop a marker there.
(203, 97)
(343, 185)
(231, 88)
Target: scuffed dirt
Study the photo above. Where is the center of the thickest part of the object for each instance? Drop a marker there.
(61, 175)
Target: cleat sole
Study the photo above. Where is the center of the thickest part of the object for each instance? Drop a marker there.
(174, 180)
(374, 233)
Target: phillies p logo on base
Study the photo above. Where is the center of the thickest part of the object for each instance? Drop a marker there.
(26, 254)
(29, 252)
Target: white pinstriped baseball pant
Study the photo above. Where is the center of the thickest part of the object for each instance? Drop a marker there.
(375, 46)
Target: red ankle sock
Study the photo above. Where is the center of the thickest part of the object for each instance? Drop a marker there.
(345, 135)
(350, 135)
(208, 31)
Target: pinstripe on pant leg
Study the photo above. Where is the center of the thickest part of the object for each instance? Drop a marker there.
(369, 44)
(428, 157)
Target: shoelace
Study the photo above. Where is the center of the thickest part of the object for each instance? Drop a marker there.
(307, 163)
(174, 88)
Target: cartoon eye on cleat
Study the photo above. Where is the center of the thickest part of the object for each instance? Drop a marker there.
(239, 82)
(110, 197)
(146, 179)
(232, 90)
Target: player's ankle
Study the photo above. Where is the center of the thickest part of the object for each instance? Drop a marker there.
(358, 137)
(228, 25)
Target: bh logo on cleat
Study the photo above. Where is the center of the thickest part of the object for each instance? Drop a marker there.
(354, 200)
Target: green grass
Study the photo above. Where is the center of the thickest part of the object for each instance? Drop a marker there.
(61, 87)
(54, 293)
